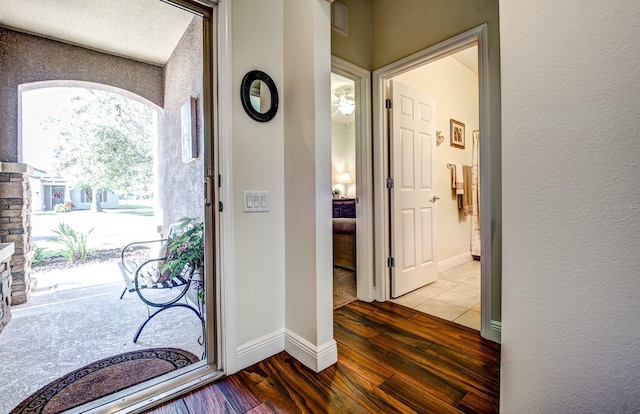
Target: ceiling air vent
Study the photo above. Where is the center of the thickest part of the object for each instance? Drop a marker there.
(340, 18)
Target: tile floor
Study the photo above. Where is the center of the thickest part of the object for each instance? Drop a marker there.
(455, 296)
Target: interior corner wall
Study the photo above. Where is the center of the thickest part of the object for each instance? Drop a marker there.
(26, 58)
(571, 287)
(258, 164)
(309, 277)
(455, 89)
(181, 192)
(356, 46)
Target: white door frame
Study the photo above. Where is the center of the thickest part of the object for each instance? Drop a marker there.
(476, 36)
(364, 172)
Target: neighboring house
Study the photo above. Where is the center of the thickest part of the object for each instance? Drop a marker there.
(108, 199)
(48, 191)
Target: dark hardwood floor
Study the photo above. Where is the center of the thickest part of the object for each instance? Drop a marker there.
(391, 359)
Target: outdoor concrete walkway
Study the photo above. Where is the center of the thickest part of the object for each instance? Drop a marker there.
(75, 317)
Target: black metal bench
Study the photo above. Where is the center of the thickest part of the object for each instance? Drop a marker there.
(154, 286)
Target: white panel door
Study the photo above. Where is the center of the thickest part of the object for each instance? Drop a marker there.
(412, 197)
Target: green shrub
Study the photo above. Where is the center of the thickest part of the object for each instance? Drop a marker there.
(74, 243)
(39, 254)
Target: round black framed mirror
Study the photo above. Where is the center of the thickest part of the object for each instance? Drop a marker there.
(259, 96)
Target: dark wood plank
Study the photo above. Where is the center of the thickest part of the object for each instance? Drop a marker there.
(241, 393)
(375, 324)
(484, 377)
(414, 397)
(264, 408)
(449, 335)
(369, 396)
(474, 403)
(369, 369)
(445, 371)
(307, 389)
(172, 407)
(392, 309)
(208, 400)
(270, 386)
(391, 359)
(353, 321)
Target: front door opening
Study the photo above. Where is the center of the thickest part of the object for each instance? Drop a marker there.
(123, 166)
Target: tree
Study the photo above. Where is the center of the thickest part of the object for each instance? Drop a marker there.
(106, 144)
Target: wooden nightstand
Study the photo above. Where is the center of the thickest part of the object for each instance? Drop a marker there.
(344, 208)
(344, 233)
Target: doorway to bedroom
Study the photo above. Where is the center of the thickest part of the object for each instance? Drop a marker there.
(344, 188)
(351, 186)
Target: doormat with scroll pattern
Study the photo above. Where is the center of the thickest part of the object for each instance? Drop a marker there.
(104, 377)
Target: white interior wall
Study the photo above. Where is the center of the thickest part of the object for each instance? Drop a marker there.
(350, 139)
(455, 89)
(258, 164)
(571, 206)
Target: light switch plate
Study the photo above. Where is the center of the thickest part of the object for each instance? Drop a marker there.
(255, 201)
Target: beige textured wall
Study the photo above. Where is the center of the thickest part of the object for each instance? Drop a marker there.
(403, 27)
(181, 192)
(355, 48)
(571, 120)
(25, 58)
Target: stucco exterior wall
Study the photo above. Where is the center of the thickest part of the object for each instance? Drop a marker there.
(181, 189)
(26, 58)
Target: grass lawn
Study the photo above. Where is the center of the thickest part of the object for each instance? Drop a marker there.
(112, 228)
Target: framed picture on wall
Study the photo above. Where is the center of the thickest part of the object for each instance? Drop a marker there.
(189, 133)
(457, 134)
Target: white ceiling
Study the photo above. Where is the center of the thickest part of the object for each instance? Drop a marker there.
(144, 30)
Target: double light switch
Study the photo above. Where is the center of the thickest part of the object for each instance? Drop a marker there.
(255, 201)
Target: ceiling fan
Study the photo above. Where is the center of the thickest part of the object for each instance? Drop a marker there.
(346, 104)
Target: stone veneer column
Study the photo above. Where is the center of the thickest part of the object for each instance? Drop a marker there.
(6, 252)
(15, 225)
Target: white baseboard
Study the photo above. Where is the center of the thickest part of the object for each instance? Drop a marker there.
(259, 349)
(496, 331)
(454, 261)
(315, 358)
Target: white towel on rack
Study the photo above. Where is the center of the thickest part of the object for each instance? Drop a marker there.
(459, 179)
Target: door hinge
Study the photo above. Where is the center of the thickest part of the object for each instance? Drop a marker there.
(391, 262)
(389, 183)
(220, 206)
(219, 181)
(387, 103)
(208, 191)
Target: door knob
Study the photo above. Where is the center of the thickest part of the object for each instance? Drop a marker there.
(434, 198)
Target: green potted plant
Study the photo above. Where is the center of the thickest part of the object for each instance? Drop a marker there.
(185, 252)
